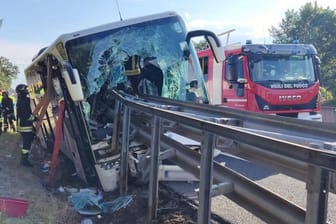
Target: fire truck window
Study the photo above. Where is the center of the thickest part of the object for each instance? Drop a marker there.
(204, 61)
(231, 70)
(240, 70)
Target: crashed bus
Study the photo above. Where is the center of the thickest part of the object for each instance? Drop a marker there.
(151, 55)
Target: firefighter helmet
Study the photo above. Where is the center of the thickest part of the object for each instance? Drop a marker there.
(194, 83)
(5, 94)
(21, 89)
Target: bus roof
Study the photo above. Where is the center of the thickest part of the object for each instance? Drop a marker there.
(51, 49)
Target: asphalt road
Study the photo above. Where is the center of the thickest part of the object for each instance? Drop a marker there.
(287, 187)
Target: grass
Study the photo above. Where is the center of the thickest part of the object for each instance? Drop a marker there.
(19, 182)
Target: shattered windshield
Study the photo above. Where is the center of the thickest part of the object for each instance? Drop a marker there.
(282, 69)
(145, 58)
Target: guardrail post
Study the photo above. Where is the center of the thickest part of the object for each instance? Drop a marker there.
(317, 195)
(204, 208)
(116, 126)
(332, 181)
(154, 169)
(124, 151)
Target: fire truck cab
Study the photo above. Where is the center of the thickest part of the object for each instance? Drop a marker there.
(280, 79)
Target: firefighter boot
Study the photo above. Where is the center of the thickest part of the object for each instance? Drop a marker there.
(25, 160)
(13, 128)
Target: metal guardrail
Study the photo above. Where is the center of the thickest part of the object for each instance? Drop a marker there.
(328, 114)
(152, 117)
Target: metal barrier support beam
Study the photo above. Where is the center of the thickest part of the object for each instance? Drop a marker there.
(116, 126)
(317, 195)
(154, 169)
(246, 193)
(260, 201)
(204, 210)
(124, 151)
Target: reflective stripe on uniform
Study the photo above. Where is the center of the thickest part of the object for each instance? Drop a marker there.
(24, 129)
(24, 151)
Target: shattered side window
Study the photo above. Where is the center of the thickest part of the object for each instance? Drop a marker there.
(101, 58)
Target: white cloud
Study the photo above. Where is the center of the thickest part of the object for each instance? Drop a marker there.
(20, 54)
(255, 28)
(203, 23)
(187, 15)
(253, 24)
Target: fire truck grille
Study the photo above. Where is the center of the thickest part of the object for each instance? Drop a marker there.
(265, 106)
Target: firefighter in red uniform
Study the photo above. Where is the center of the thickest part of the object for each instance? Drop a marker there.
(24, 122)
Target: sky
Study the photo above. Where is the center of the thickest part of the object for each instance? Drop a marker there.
(29, 25)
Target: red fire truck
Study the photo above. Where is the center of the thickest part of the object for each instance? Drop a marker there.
(281, 79)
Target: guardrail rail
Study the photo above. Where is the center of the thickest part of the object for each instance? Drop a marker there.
(304, 150)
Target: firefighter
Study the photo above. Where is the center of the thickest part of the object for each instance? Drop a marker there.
(24, 122)
(193, 93)
(8, 111)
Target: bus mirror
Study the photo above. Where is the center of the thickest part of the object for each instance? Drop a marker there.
(218, 51)
(212, 40)
(71, 75)
(73, 84)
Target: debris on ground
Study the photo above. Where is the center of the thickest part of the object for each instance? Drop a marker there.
(52, 206)
(115, 205)
(91, 203)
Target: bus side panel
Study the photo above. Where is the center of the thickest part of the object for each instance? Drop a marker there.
(70, 149)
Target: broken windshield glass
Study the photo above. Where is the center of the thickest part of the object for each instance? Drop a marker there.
(101, 59)
(150, 58)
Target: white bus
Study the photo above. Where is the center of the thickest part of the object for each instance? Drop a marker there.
(148, 55)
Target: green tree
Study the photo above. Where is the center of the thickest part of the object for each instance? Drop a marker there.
(315, 25)
(326, 95)
(201, 45)
(8, 72)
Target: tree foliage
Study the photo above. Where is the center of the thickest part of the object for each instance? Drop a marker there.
(315, 25)
(201, 45)
(8, 72)
(326, 95)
